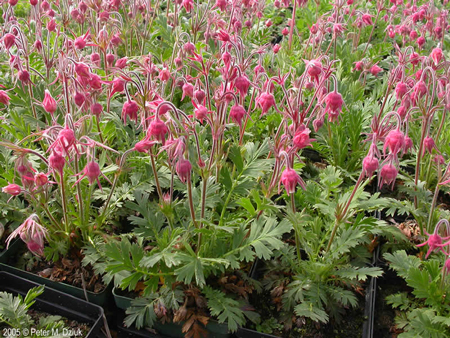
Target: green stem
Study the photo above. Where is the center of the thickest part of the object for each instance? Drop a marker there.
(64, 203)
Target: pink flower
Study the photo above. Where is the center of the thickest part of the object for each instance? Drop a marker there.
(301, 138)
(121, 63)
(242, 84)
(189, 48)
(199, 96)
(51, 25)
(66, 139)
(9, 40)
(24, 76)
(201, 112)
(96, 109)
(56, 161)
(164, 75)
(285, 31)
(143, 146)
(40, 179)
(12, 189)
(333, 105)
(92, 172)
(49, 103)
(188, 5)
(367, 19)
(188, 90)
(158, 130)
(388, 174)
(370, 164)
(265, 101)
(434, 240)
(420, 41)
(428, 144)
(237, 112)
(400, 90)
(118, 86)
(395, 141)
(359, 65)
(374, 70)
(80, 42)
(290, 179)
(32, 233)
(436, 55)
(183, 169)
(4, 98)
(130, 109)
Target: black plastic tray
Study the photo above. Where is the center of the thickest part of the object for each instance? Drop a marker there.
(56, 303)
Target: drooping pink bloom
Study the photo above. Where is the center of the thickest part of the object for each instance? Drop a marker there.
(301, 138)
(121, 63)
(24, 76)
(265, 101)
(51, 25)
(290, 179)
(96, 109)
(164, 74)
(333, 105)
(31, 233)
(395, 141)
(434, 240)
(4, 98)
(201, 113)
(79, 99)
(12, 189)
(9, 40)
(237, 112)
(92, 172)
(188, 5)
(183, 169)
(40, 179)
(374, 70)
(242, 84)
(188, 90)
(158, 130)
(56, 161)
(388, 175)
(118, 86)
(436, 55)
(144, 146)
(420, 41)
(370, 165)
(130, 109)
(200, 96)
(400, 90)
(428, 144)
(367, 19)
(49, 103)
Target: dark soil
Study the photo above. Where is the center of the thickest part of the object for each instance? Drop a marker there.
(68, 323)
(67, 270)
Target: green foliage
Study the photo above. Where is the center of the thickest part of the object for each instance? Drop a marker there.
(425, 313)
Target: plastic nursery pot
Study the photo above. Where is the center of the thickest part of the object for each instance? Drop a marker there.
(97, 298)
(13, 248)
(56, 303)
(172, 330)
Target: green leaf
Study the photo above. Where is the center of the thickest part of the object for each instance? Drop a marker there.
(310, 310)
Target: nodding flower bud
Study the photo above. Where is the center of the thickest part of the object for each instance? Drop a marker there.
(183, 169)
(188, 90)
(49, 103)
(290, 179)
(388, 175)
(95, 82)
(82, 70)
(40, 179)
(301, 138)
(333, 105)
(226, 58)
(276, 48)
(66, 138)
(130, 109)
(436, 55)
(118, 86)
(200, 96)
(374, 70)
(110, 59)
(367, 19)
(189, 48)
(242, 84)
(237, 112)
(9, 40)
(24, 76)
(402, 111)
(265, 101)
(395, 141)
(420, 41)
(121, 63)
(32, 233)
(56, 161)
(400, 90)
(95, 58)
(143, 146)
(92, 171)
(285, 31)
(419, 90)
(4, 98)
(79, 42)
(201, 112)
(79, 99)
(414, 58)
(413, 35)
(96, 109)
(116, 40)
(51, 25)
(12, 189)
(158, 130)
(370, 164)
(428, 144)
(359, 65)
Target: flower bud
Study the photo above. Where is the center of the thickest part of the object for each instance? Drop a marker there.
(49, 103)
(183, 169)
(12, 189)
